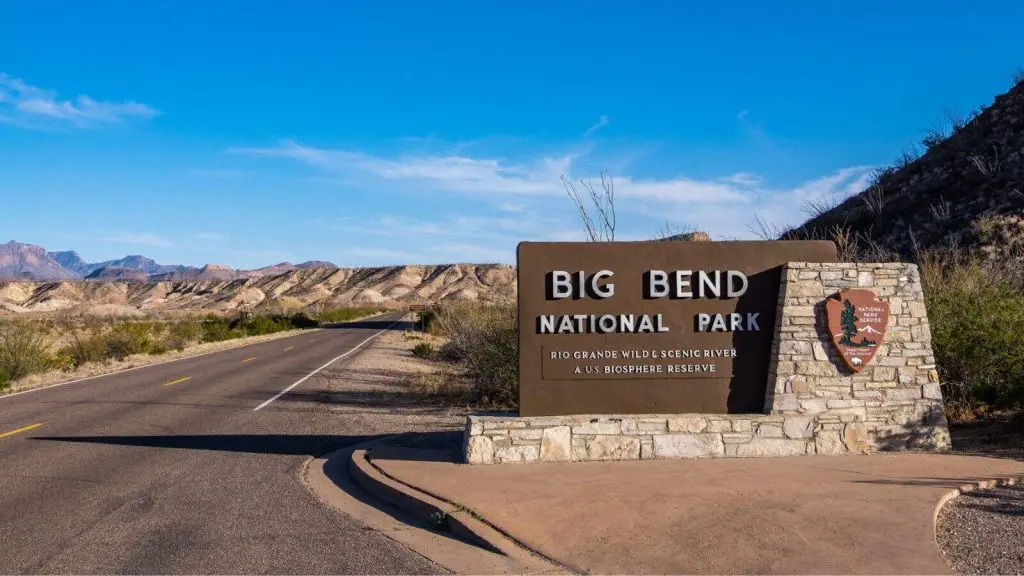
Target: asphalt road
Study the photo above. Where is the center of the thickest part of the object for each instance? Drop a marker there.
(173, 469)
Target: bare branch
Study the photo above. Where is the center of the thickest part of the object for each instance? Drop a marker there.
(603, 229)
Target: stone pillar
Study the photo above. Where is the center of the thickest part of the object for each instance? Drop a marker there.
(894, 403)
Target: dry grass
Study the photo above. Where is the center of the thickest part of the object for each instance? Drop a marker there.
(58, 348)
(137, 360)
(484, 338)
(386, 383)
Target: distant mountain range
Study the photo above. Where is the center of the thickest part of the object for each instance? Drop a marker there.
(20, 261)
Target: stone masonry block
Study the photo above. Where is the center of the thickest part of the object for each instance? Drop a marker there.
(688, 446)
(556, 444)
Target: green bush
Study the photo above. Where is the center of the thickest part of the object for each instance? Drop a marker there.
(259, 325)
(24, 350)
(218, 329)
(423, 350)
(977, 325)
(485, 338)
(183, 333)
(127, 337)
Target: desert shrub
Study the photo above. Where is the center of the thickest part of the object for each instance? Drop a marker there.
(84, 348)
(217, 329)
(84, 344)
(423, 350)
(184, 332)
(451, 351)
(486, 338)
(126, 338)
(259, 325)
(428, 320)
(24, 350)
(976, 313)
(303, 320)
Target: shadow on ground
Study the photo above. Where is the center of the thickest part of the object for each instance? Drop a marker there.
(280, 444)
(377, 399)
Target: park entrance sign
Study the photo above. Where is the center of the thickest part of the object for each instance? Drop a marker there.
(650, 327)
(655, 350)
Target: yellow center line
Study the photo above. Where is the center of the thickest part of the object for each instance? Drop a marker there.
(22, 429)
(289, 348)
(178, 381)
(248, 360)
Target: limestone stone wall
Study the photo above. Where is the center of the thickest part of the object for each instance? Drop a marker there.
(895, 402)
(813, 404)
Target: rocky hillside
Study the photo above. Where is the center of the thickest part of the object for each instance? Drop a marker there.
(967, 191)
(28, 261)
(310, 287)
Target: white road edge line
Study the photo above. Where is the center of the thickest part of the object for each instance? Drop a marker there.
(332, 361)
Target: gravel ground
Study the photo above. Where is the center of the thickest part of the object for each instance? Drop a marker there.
(375, 393)
(982, 532)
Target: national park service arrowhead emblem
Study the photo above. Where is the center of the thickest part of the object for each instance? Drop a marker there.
(857, 320)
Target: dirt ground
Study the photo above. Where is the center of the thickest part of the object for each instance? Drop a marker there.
(388, 390)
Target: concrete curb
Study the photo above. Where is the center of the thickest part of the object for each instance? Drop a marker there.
(964, 489)
(439, 512)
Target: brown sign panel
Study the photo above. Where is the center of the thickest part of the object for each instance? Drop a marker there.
(857, 320)
(650, 327)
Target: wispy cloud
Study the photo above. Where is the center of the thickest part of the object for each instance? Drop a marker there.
(138, 238)
(490, 176)
(28, 106)
(601, 123)
(214, 236)
(524, 199)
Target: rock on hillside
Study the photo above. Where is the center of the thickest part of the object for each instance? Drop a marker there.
(142, 264)
(19, 260)
(72, 262)
(118, 273)
(966, 190)
(311, 287)
(316, 264)
(208, 272)
(272, 270)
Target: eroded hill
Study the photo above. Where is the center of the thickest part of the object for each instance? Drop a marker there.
(314, 287)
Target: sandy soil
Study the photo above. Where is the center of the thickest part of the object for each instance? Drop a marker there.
(386, 389)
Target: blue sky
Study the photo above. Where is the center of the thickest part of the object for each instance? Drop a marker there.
(247, 133)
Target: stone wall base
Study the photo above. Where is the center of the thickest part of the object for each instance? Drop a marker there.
(506, 438)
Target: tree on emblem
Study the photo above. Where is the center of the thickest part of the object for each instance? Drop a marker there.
(849, 323)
